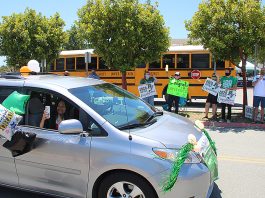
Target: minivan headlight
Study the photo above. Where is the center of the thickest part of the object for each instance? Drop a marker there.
(171, 155)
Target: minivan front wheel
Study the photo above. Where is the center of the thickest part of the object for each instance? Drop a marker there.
(125, 185)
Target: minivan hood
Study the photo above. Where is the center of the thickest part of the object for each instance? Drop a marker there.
(170, 129)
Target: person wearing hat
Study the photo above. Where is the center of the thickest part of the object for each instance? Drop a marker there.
(146, 80)
(172, 98)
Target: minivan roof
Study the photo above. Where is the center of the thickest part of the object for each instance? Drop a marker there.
(66, 82)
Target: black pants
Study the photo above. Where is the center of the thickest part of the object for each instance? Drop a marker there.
(229, 107)
(170, 101)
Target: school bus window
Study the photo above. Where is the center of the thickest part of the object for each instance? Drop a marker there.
(60, 64)
(70, 63)
(80, 63)
(169, 59)
(220, 64)
(93, 64)
(200, 60)
(142, 65)
(102, 64)
(183, 60)
(52, 66)
(155, 65)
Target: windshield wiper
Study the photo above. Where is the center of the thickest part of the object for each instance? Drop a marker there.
(155, 114)
(135, 125)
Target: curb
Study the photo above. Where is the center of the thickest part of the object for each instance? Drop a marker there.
(233, 125)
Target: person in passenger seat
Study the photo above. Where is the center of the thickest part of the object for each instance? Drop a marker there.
(61, 109)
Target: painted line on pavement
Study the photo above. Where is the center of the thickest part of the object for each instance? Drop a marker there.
(242, 159)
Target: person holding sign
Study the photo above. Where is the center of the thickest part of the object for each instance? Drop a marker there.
(259, 95)
(148, 79)
(228, 83)
(212, 99)
(94, 75)
(173, 98)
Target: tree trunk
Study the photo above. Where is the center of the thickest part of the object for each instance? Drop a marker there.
(124, 82)
(245, 96)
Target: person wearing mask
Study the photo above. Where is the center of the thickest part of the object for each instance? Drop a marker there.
(228, 82)
(171, 98)
(60, 116)
(94, 75)
(212, 100)
(148, 79)
(259, 95)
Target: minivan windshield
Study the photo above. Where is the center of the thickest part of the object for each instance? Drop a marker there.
(116, 105)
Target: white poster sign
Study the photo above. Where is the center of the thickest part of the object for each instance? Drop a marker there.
(249, 113)
(147, 90)
(226, 96)
(211, 86)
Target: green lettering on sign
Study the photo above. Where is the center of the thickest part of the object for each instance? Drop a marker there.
(178, 88)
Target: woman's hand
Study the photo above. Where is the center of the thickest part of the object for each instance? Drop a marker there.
(45, 116)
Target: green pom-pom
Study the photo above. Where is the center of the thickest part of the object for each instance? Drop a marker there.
(178, 162)
(16, 102)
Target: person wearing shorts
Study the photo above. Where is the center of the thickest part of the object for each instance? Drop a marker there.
(212, 100)
(259, 95)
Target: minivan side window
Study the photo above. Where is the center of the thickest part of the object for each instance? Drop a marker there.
(6, 91)
(60, 109)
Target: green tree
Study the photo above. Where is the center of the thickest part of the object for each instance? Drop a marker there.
(75, 41)
(229, 29)
(125, 33)
(29, 35)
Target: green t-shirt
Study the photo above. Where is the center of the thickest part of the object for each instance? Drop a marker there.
(149, 80)
(228, 82)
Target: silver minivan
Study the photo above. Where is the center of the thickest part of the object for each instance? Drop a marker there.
(104, 148)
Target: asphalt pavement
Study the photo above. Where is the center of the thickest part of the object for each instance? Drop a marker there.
(241, 158)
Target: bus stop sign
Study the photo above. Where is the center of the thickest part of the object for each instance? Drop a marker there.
(195, 74)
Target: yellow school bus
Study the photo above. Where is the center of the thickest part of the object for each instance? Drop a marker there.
(194, 63)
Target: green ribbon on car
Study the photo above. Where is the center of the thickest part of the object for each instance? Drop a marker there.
(178, 162)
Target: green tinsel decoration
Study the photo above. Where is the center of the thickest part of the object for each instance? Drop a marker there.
(178, 162)
(212, 143)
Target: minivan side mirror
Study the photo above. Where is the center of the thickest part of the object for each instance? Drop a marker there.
(71, 126)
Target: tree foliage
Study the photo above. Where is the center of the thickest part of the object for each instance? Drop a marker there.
(230, 29)
(124, 33)
(4, 69)
(30, 35)
(75, 41)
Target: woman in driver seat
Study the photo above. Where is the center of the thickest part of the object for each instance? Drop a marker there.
(61, 109)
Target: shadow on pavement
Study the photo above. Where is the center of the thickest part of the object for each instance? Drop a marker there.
(216, 192)
(13, 193)
(233, 130)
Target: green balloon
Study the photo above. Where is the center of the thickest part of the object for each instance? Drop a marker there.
(16, 102)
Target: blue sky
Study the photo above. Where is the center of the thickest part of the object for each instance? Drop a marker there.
(175, 12)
